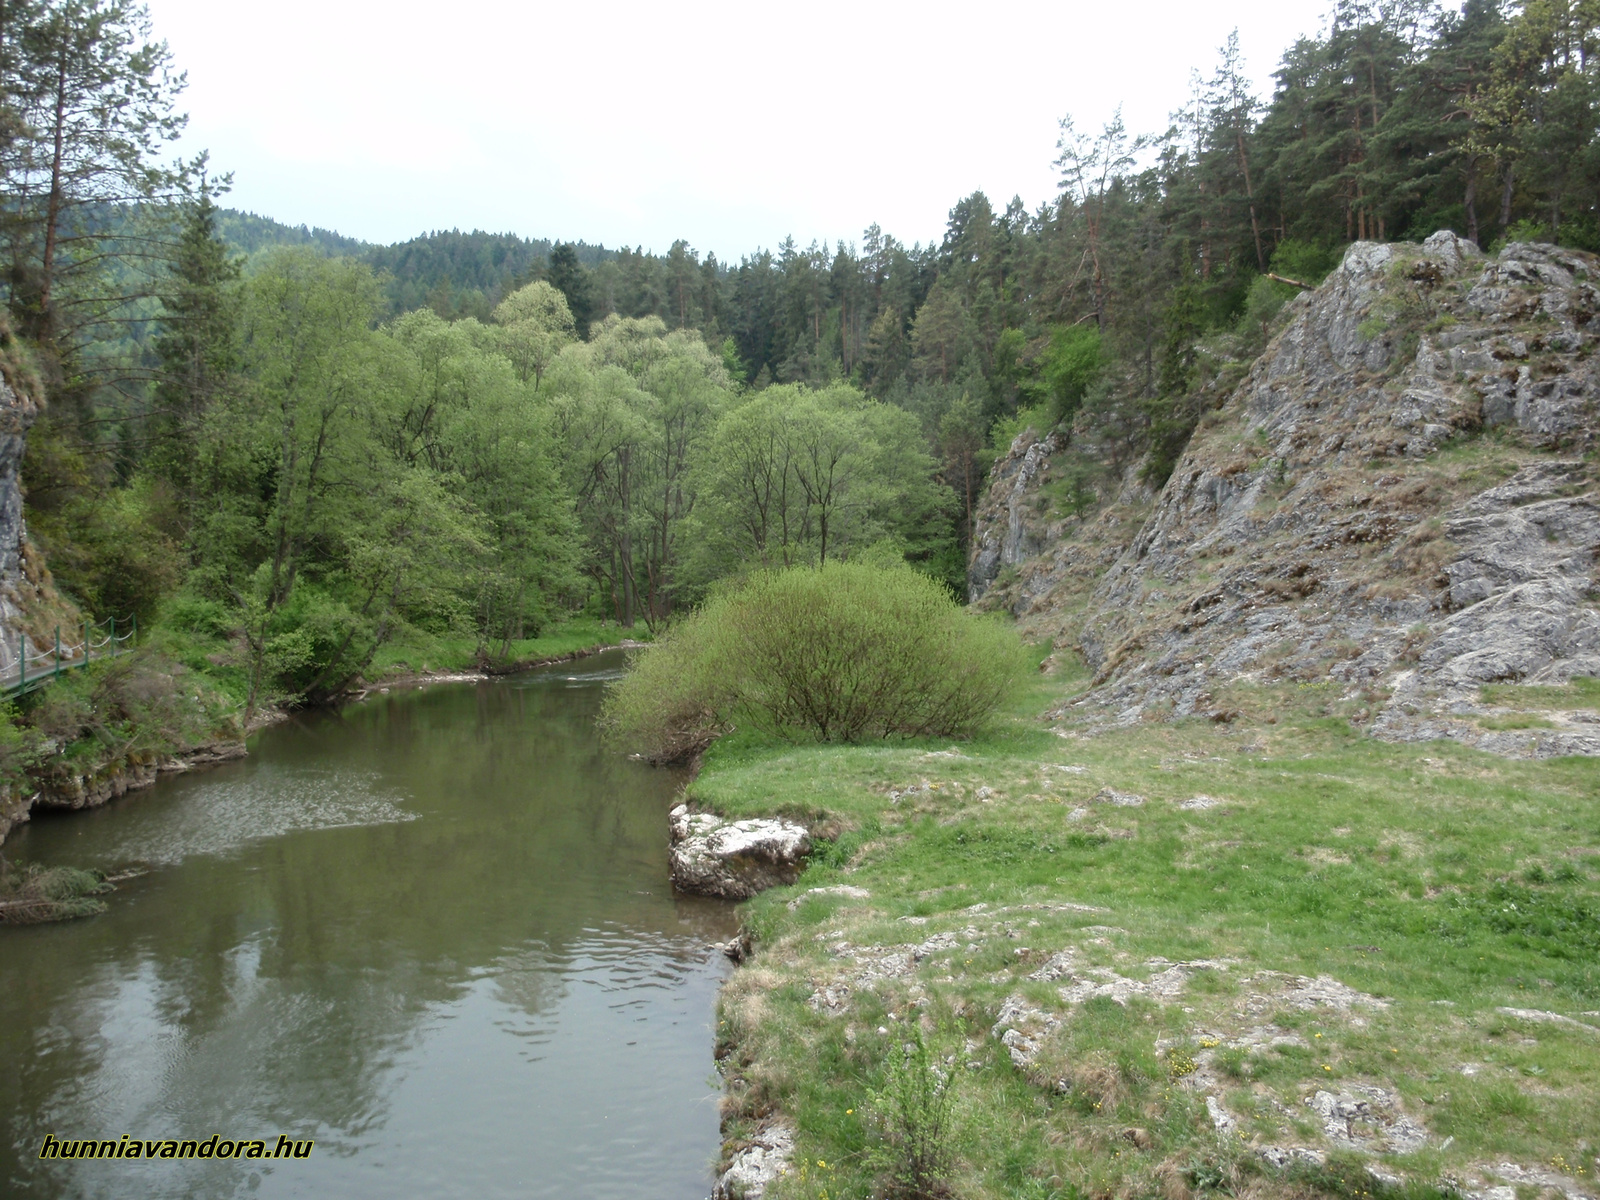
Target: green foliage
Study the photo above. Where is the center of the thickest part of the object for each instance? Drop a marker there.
(1005, 431)
(535, 323)
(544, 427)
(792, 475)
(566, 275)
(1306, 261)
(1176, 408)
(1071, 366)
(843, 652)
(1265, 300)
(913, 1109)
(87, 116)
(197, 347)
(110, 553)
(34, 893)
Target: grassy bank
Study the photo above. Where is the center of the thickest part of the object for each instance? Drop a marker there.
(1256, 916)
(422, 654)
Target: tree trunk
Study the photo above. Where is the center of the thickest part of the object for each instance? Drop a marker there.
(1250, 195)
(1469, 201)
(52, 220)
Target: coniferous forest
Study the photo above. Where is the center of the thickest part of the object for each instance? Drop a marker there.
(324, 445)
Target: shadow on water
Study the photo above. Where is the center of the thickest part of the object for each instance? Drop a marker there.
(433, 931)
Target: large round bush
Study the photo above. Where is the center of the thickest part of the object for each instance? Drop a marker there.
(845, 653)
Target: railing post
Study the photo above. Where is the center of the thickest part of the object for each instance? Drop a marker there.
(58, 652)
(87, 649)
(113, 637)
(22, 646)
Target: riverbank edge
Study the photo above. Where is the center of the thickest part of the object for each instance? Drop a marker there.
(1131, 782)
(116, 777)
(128, 772)
(482, 673)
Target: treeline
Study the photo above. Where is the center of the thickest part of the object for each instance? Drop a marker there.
(1107, 304)
(323, 480)
(326, 445)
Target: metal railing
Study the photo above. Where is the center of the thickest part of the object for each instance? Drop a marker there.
(34, 669)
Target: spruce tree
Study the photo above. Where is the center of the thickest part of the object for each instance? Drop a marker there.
(197, 346)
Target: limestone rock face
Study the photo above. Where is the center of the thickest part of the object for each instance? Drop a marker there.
(734, 859)
(1002, 536)
(1032, 559)
(1395, 498)
(17, 413)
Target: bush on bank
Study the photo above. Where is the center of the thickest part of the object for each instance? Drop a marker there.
(847, 652)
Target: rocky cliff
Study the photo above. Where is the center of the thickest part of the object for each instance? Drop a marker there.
(1397, 503)
(18, 408)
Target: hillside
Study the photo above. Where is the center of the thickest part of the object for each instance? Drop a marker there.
(1394, 506)
(457, 272)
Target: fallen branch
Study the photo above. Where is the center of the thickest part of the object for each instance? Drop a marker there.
(1310, 287)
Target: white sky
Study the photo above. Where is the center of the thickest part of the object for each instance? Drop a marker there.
(729, 124)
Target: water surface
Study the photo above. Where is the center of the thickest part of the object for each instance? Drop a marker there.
(433, 931)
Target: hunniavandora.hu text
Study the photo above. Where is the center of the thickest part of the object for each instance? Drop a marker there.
(216, 1146)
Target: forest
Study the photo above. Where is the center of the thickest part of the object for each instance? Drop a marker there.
(319, 445)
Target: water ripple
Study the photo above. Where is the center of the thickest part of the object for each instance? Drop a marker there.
(222, 816)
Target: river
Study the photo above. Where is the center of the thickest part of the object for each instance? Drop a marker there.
(433, 931)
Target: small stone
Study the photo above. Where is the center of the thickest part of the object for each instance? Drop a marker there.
(1108, 795)
(1220, 1117)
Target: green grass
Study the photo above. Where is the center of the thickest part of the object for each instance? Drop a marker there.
(1444, 882)
(1581, 692)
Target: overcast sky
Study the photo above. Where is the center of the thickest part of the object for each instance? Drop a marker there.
(728, 124)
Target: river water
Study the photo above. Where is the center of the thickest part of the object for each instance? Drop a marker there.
(433, 932)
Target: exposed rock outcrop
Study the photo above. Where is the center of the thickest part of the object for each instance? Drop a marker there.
(712, 856)
(1002, 536)
(1394, 499)
(18, 408)
(1032, 554)
(754, 1167)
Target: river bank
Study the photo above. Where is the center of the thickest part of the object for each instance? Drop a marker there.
(1265, 957)
(175, 716)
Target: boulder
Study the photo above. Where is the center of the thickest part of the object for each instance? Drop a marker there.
(712, 856)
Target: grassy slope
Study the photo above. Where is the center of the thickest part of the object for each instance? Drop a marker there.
(1445, 881)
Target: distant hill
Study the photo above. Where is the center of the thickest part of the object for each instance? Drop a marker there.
(249, 234)
(453, 272)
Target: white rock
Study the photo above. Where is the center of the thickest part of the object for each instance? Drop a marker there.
(754, 1168)
(1548, 1018)
(734, 859)
(1220, 1117)
(1108, 795)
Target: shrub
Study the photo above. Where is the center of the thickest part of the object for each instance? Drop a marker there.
(847, 652)
(914, 1119)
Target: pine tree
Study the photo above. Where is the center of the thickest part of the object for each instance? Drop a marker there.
(198, 343)
(567, 274)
